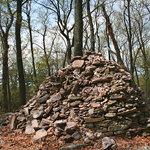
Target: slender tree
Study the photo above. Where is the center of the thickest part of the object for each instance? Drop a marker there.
(92, 38)
(127, 22)
(78, 29)
(44, 18)
(4, 33)
(22, 88)
(111, 34)
(97, 35)
(28, 11)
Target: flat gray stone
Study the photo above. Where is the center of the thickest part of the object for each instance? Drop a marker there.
(77, 63)
(37, 114)
(110, 115)
(26, 111)
(35, 124)
(29, 129)
(60, 122)
(71, 127)
(76, 135)
(46, 121)
(21, 118)
(54, 98)
(40, 134)
(107, 142)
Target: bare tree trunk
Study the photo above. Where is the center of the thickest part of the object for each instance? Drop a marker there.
(44, 48)
(142, 48)
(68, 51)
(57, 61)
(4, 37)
(64, 59)
(137, 78)
(97, 30)
(111, 34)
(108, 44)
(78, 29)
(91, 26)
(5, 75)
(22, 88)
(145, 67)
(129, 34)
(31, 41)
(9, 95)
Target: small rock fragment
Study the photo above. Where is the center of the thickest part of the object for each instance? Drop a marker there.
(40, 134)
(29, 129)
(107, 142)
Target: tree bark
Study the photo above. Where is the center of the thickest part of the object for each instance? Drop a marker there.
(111, 34)
(137, 78)
(9, 95)
(22, 88)
(68, 51)
(45, 53)
(145, 66)
(4, 37)
(5, 74)
(108, 43)
(97, 34)
(129, 34)
(78, 29)
(91, 26)
(31, 41)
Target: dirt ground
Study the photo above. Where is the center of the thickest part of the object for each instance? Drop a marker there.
(14, 140)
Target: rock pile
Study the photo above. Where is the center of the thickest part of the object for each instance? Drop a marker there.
(89, 98)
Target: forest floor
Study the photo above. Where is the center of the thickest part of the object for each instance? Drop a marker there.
(13, 140)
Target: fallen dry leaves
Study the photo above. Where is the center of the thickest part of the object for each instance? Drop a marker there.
(21, 141)
(14, 140)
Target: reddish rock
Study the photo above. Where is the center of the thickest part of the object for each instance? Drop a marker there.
(95, 105)
(128, 111)
(89, 119)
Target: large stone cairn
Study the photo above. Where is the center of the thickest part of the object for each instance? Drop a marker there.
(90, 97)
